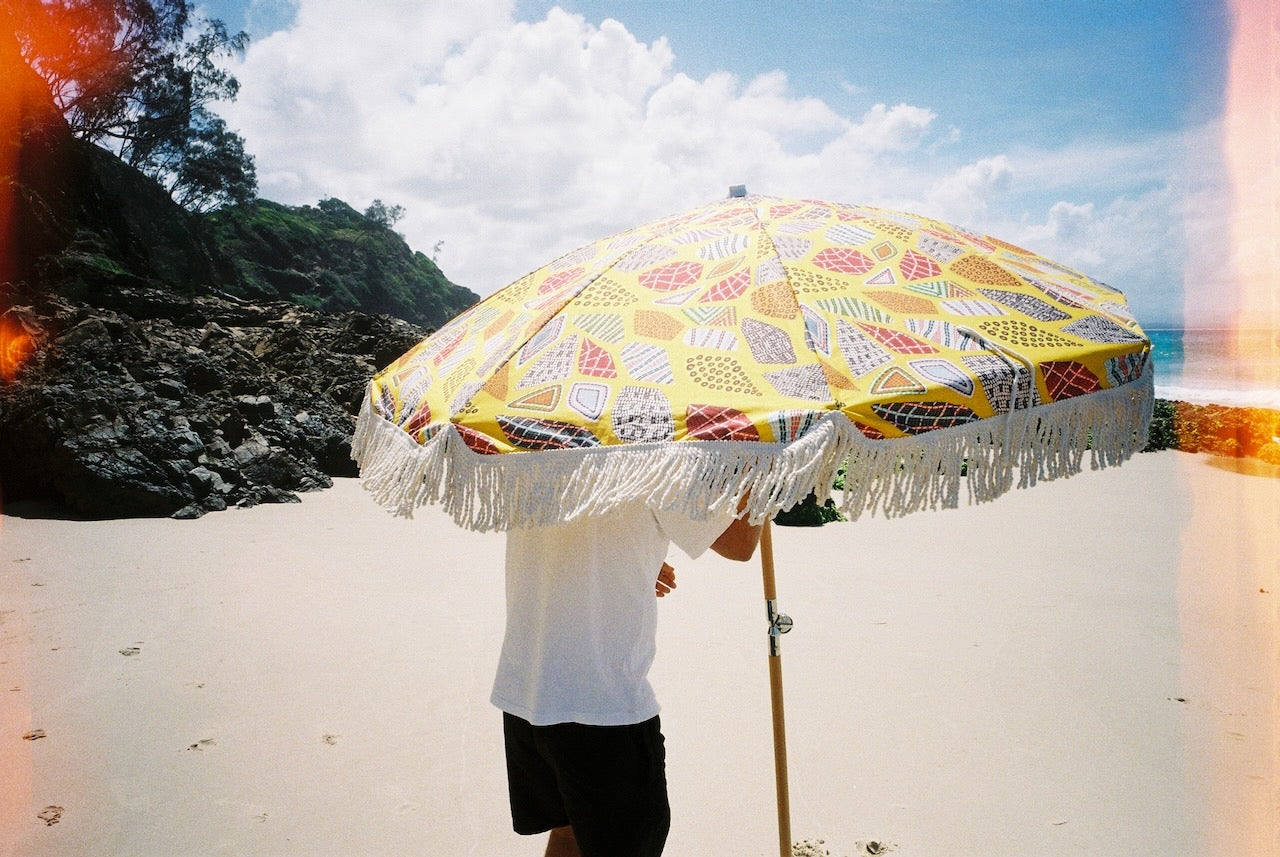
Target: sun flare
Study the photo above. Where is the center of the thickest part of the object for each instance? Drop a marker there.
(16, 347)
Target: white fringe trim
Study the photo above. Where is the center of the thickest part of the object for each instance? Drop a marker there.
(699, 478)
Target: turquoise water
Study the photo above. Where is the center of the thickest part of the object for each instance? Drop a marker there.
(1215, 365)
(1167, 351)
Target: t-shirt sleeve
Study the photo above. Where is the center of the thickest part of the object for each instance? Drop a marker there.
(692, 537)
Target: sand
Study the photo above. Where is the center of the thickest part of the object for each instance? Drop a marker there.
(1089, 667)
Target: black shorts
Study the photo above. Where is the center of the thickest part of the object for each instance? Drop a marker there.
(609, 782)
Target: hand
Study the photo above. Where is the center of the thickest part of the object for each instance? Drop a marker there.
(666, 580)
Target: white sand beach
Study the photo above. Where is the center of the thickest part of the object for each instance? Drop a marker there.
(1090, 667)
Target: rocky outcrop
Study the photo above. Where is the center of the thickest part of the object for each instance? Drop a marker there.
(159, 404)
(128, 384)
(147, 366)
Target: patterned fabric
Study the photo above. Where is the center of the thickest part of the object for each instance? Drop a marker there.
(747, 320)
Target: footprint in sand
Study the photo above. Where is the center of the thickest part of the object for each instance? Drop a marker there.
(329, 739)
(34, 735)
(201, 744)
(50, 815)
(130, 651)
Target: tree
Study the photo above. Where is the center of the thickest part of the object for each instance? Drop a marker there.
(384, 215)
(215, 169)
(138, 77)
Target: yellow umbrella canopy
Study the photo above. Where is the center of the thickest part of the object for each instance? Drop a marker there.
(757, 344)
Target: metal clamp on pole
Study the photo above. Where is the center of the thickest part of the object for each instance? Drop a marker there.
(779, 624)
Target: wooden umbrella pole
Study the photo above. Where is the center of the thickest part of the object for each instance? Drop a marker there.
(778, 624)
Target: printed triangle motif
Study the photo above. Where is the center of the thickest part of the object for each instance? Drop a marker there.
(836, 379)
(544, 400)
(896, 380)
(884, 278)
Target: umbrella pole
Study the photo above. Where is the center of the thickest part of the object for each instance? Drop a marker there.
(778, 624)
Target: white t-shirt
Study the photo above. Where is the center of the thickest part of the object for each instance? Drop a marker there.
(582, 617)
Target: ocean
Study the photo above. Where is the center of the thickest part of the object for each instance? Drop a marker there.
(1218, 366)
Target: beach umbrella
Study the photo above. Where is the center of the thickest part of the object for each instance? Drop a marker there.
(755, 347)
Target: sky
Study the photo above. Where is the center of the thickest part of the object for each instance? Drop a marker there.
(512, 131)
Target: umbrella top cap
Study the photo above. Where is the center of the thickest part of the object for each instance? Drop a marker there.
(737, 191)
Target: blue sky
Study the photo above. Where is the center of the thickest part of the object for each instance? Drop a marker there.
(513, 130)
(1034, 69)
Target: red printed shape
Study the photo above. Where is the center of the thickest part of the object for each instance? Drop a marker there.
(671, 277)
(843, 260)
(917, 266)
(710, 422)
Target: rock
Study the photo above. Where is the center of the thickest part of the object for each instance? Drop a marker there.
(87, 330)
(191, 406)
(189, 512)
(213, 503)
(205, 481)
(170, 388)
(255, 409)
(251, 452)
(186, 443)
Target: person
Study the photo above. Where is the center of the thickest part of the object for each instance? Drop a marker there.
(586, 760)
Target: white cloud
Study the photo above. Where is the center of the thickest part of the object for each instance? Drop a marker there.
(1156, 227)
(510, 141)
(965, 194)
(513, 142)
(1117, 242)
(891, 129)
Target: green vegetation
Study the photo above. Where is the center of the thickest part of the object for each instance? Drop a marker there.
(137, 77)
(809, 513)
(1164, 427)
(330, 257)
(127, 180)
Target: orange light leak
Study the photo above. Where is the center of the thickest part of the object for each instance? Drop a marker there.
(10, 123)
(16, 347)
(50, 39)
(1251, 147)
(1244, 799)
